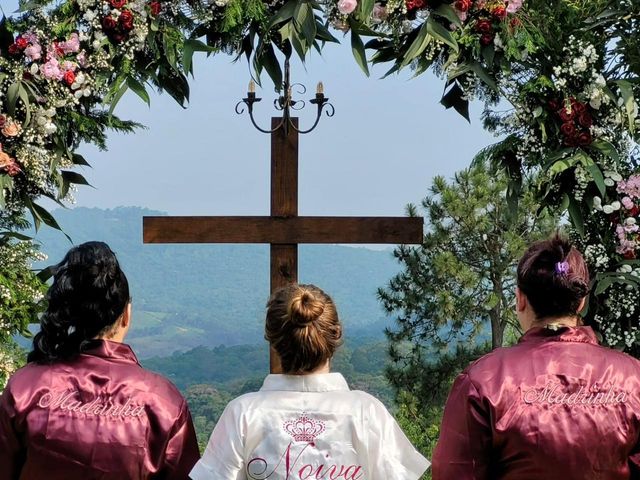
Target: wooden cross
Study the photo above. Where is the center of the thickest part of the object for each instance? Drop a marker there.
(284, 229)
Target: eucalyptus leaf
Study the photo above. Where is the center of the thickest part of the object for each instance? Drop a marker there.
(357, 47)
(439, 32)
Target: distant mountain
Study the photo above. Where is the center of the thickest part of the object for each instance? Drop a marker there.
(185, 296)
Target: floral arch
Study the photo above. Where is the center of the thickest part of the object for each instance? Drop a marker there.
(566, 70)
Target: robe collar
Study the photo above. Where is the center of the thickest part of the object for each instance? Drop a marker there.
(317, 382)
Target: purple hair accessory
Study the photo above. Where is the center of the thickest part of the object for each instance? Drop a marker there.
(562, 268)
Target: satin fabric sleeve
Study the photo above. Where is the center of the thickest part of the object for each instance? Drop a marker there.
(223, 458)
(391, 454)
(464, 448)
(11, 449)
(634, 462)
(182, 450)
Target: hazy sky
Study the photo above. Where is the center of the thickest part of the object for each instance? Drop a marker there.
(387, 140)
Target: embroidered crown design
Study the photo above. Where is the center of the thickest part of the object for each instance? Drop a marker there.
(304, 428)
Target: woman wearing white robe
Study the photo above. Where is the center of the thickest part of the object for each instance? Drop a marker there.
(306, 423)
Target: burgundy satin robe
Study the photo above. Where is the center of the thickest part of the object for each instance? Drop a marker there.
(98, 416)
(555, 406)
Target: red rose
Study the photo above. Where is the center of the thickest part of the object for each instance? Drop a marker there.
(69, 77)
(500, 12)
(109, 23)
(630, 255)
(634, 211)
(22, 43)
(484, 26)
(118, 3)
(464, 5)
(568, 129)
(13, 169)
(571, 141)
(59, 50)
(126, 20)
(487, 39)
(585, 139)
(3, 120)
(578, 107)
(156, 8)
(118, 37)
(567, 114)
(14, 49)
(515, 22)
(554, 105)
(414, 4)
(585, 120)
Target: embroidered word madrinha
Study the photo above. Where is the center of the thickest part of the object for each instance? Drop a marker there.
(68, 402)
(553, 394)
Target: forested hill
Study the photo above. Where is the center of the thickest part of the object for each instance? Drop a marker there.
(190, 295)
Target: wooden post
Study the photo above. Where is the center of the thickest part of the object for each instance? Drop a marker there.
(284, 203)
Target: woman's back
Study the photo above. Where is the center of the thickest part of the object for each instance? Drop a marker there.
(308, 426)
(97, 416)
(557, 405)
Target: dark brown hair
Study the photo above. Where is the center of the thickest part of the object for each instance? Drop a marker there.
(554, 277)
(303, 327)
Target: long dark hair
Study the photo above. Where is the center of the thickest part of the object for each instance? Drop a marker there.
(554, 277)
(88, 295)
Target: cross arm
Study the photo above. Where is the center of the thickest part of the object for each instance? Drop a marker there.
(283, 230)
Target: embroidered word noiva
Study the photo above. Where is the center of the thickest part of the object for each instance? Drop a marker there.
(68, 402)
(554, 393)
(304, 430)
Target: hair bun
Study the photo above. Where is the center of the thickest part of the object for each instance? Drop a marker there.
(304, 309)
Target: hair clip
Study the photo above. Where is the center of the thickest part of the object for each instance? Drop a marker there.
(562, 268)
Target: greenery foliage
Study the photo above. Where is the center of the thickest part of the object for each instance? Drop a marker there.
(459, 285)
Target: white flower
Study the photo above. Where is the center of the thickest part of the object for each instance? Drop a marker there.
(616, 205)
(608, 209)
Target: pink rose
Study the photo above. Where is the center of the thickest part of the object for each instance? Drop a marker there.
(51, 70)
(5, 160)
(34, 52)
(380, 13)
(514, 6)
(72, 45)
(347, 7)
(11, 129)
(627, 203)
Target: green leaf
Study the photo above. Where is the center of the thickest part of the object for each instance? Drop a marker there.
(74, 177)
(595, 172)
(24, 96)
(447, 11)
(419, 45)
(305, 22)
(484, 75)
(78, 159)
(575, 213)
(115, 99)
(137, 88)
(284, 14)
(438, 31)
(607, 149)
(357, 47)
(365, 8)
(12, 97)
(626, 90)
(455, 98)
(191, 46)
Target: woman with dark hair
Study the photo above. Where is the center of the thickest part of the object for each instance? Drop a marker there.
(83, 408)
(306, 423)
(555, 406)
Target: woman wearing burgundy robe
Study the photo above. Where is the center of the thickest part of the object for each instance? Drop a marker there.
(83, 408)
(556, 405)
